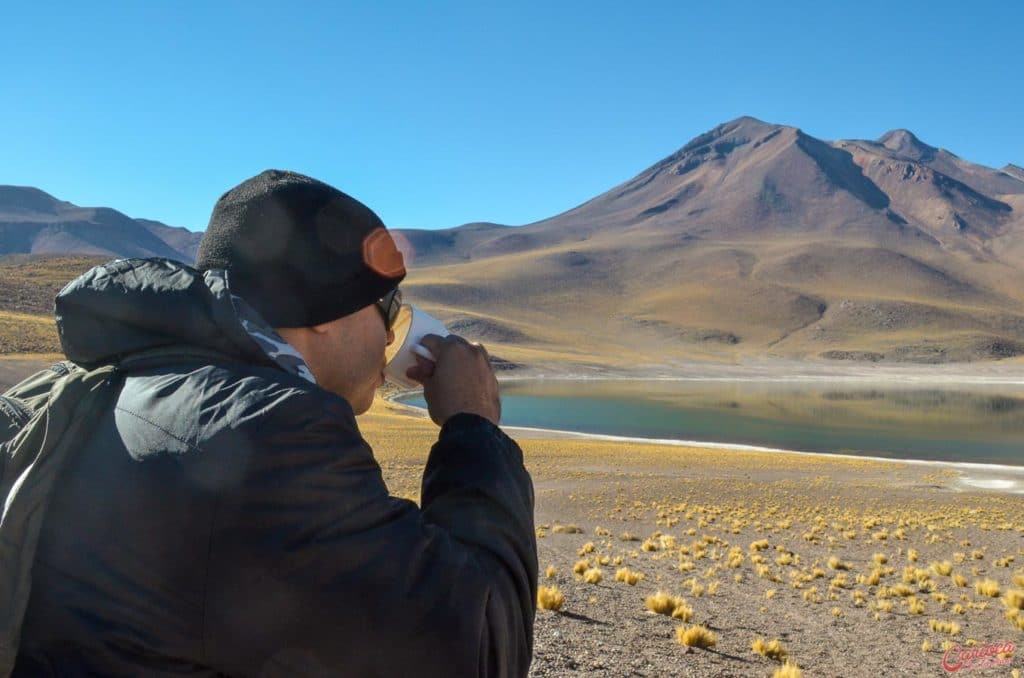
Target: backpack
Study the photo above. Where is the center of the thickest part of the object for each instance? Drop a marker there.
(41, 421)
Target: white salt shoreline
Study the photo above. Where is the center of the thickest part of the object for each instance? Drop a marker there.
(996, 477)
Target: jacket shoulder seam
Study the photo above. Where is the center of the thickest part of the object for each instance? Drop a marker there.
(158, 427)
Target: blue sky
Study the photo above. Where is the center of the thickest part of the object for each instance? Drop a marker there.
(437, 114)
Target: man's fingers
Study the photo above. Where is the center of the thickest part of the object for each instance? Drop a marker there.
(421, 371)
(424, 366)
(432, 343)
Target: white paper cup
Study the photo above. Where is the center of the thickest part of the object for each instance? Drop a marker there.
(410, 327)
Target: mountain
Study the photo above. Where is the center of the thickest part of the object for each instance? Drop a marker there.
(35, 222)
(1014, 171)
(752, 239)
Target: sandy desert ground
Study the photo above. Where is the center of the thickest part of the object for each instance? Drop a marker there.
(858, 567)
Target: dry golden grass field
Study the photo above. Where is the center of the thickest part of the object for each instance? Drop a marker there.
(851, 567)
(629, 298)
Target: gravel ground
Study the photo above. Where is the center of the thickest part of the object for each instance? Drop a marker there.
(703, 507)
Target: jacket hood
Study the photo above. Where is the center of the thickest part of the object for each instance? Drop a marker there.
(131, 305)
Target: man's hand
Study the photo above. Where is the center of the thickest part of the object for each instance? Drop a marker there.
(462, 379)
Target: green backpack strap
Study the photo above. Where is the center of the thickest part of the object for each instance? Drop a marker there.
(32, 462)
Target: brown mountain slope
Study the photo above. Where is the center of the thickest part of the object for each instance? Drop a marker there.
(34, 222)
(752, 240)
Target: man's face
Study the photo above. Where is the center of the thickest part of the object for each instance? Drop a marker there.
(346, 356)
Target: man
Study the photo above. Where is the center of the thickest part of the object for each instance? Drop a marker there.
(227, 518)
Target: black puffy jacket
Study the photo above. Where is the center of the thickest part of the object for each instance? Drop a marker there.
(227, 517)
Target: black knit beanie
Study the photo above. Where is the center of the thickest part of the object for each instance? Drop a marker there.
(299, 251)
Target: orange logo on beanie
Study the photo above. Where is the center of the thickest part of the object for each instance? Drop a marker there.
(381, 255)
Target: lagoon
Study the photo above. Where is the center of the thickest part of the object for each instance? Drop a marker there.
(959, 423)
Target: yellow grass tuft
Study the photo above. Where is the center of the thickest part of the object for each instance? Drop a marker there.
(696, 636)
(915, 605)
(769, 594)
(987, 587)
(836, 612)
(959, 580)
(926, 646)
(551, 571)
(550, 598)
(880, 558)
(787, 670)
(944, 569)
(835, 564)
(912, 555)
(682, 612)
(950, 627)
(772, 649)
(581, 566)
(593, 576)
(628, 576)
(663, 603)
(587, 548)
(566, 529)
(1014, 599)
(902, 590)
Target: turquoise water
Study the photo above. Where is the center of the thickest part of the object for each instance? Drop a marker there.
(969, 424)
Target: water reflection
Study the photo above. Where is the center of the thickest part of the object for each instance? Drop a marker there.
(981, 424)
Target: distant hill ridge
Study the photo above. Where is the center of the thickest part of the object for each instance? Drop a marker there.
(35, 222)
(1014, 171)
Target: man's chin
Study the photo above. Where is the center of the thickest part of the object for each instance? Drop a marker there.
(364, 405)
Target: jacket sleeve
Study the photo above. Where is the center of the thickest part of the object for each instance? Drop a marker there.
(313, 569)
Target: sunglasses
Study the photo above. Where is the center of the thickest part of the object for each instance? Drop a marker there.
(388, 305)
